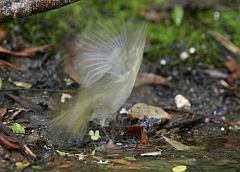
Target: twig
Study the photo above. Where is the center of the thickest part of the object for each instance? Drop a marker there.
(39, 90)
(225, 42)
(10, 9)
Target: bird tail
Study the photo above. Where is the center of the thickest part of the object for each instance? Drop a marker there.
(72, 122)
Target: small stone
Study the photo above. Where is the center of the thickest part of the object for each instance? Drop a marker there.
(216, 15)
(184, 56)
(163, 62)
(192, 50)
(182, 103)
(124, 111)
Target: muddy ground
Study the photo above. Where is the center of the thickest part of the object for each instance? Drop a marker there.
(215, 109)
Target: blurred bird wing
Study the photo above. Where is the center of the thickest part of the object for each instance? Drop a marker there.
(101, 50)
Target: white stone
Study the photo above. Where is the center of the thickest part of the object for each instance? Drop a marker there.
(192, 50)
(182, 103)
(184, 55)
(163, 62)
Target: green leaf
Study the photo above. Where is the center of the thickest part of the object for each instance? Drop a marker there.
(177, 15)
(17, 128)
(61, 153)
(93, 152)
(130, 158)
(1, 83)
(94, 135)
(37, 167)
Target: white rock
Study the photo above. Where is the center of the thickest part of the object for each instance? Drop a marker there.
(184, 55)
(192, 50)
(182, 103)
(163, 62)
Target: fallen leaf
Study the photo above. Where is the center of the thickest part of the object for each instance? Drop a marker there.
(215, 73)
(158, 153)
(4, 63)
(144, 138)
(21, 165)
(8, 141)
(26, 53)
(1, 83)
(18, 129)
(151, 78)
(177, 145)
(61, 153)
(22, 84)
(234, 67)
(2, 32)
(178, 14)
(130, 158)
(179, 168)
(94, 135)
(2, 113)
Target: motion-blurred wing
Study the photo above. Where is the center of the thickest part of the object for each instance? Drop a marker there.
(102, 50)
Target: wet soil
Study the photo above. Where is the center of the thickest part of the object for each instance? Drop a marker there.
(216, 106)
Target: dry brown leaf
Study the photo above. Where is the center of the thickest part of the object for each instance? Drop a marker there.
(2, 113)
(4, 63)
(2, 32)
(26, 53)
(144, 138)
(8, 141)
(151, 78)
(234, 67)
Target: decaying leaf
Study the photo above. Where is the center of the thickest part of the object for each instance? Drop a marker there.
(2, 32)
(158, 153)
(179, 168)
(9, 142)
(141, 111)
(177, 145)
(26, 53)
(234, 67)
(22, 84)
(4, 63)
(20, 165)
(2, 113)
(151, 78)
